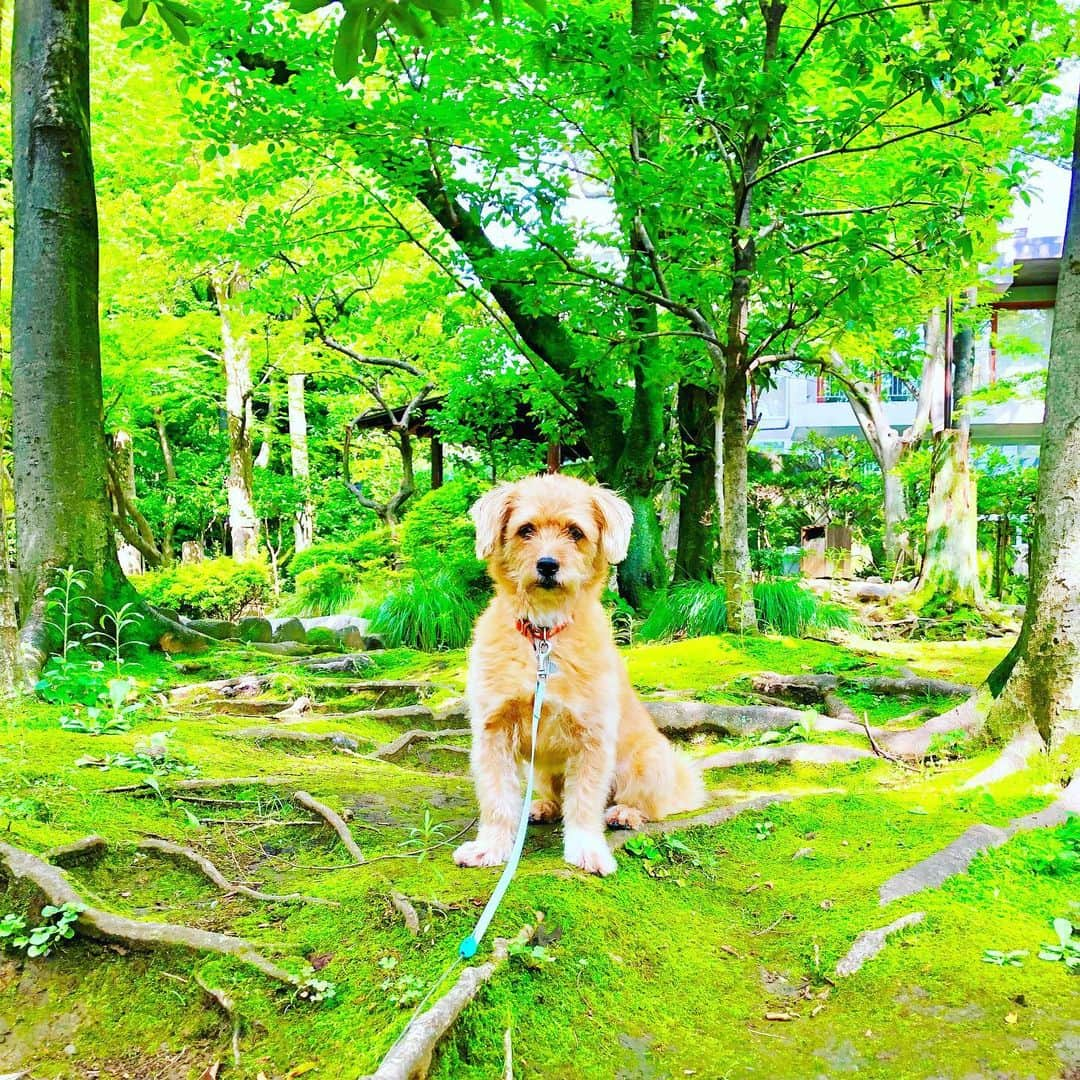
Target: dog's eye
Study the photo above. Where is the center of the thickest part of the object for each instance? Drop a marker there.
(575, 533)
(526, 531)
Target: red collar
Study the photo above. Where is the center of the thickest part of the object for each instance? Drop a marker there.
(533, 632)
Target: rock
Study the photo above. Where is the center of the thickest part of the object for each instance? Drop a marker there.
(335, 622)
(289, 630)
(168, 613)
(351, 638)
(870, 590)
(254, 629)
(219, 629)
(352, 664)
(373, 643)
(323, 640)
(870, 942)
(282, 648)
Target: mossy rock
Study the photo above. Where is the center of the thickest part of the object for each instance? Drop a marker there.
(290, 630)
(323, 640)
(254, 629)
(218, 629)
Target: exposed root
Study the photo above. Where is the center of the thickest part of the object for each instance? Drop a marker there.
(334, 820)
(89, 847)
(882, 753)
(206, 783)
(800, 753)
(915, 742)
(403, 906)
(228, 1007)
(410, 1057)
(955, 858)
(684, 718)
(1013, 758)
(389, 751)
(811, 689)
(870, 942)
(242, 686)
(52, 882)
(210, 871)
(349, 664)
(298, 708)
(716, 816)
(337, 738)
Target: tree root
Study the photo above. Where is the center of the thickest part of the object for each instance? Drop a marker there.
(915, 742)
(89, 847)
(1013, 758)
(870, 942)
(52, 882)
(338, 739)
(241, 686)
(955, 858)
(717, 816)
(228, 1007)
(798, 753)
(334, 820)
(206, 783)
(210, 871)
(410, 1057)
(389, 751)
(811, 689)
(685, 718)
(403, 906)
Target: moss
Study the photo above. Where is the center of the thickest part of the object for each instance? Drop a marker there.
(652, 975)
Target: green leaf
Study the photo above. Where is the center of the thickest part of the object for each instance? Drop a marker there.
(538, 6)
(407, 21)
(176, 27)
(188, 16)
(306, 7)
(347, 45)
(132, 16)
(450, 9)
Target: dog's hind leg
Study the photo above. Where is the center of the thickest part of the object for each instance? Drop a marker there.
(547, 806)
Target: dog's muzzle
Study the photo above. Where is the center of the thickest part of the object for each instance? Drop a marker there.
(547, 570)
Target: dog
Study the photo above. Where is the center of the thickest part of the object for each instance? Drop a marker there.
(549, 542)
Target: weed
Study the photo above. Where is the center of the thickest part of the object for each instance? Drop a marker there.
(1014, 958)
(40, 940)
(113, 633)
(316, 991)
(1066, 948)
(112, 720)
(798, 733)
(426, 835)
(63, 603)
(13, 809)
(533, 957)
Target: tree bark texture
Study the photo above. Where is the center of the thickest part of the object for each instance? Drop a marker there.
(696, 550)
(304, 525)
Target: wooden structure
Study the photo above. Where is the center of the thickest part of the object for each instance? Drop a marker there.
(826, 551)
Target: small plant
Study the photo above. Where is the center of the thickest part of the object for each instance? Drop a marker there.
(798, 733)
(660, 853)
(74, 679)
(405, 991)
(1065, 949)
(426, 835)
(40, 940)
(113, 633)
(1014, 958)
(154, 756)
(112, 719)
(316, 991)
(764, 829)
(14, 809)
(946, 747)
(533, 957)
(1063, 859)
(63, 601)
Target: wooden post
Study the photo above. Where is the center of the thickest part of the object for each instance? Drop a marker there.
(554, 457)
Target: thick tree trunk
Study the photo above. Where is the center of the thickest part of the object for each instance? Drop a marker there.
(696, 550)
(304, 525)
(168, 551)
(236, 352)
(1041, 675)
(895, 540)
(950, 567)
(62, 512)
(734, 539)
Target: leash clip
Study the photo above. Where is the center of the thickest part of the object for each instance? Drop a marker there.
(542, 648)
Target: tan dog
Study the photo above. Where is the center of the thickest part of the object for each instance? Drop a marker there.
(548, 542)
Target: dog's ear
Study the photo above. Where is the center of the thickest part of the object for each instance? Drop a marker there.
(615, 519)
(490, 513)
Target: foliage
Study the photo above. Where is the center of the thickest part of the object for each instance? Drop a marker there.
(798, 733)
(428, 612)
(77, 678)
(328, 588)
(40, 940)
(370, 551)
(113, 635)
(213, 588)
(112, 717)
(1067, 947)
(66, 602)
(13, 808)
(155, 756)
(698, 608)
(1012, 958)
(426, 834)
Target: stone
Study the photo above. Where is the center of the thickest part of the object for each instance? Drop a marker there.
(289, 630)
(219, 629)
(254, 629)
(351, 638)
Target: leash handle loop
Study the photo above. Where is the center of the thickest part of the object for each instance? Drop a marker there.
(467, 949)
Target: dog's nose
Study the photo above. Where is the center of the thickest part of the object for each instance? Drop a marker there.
(547, 566)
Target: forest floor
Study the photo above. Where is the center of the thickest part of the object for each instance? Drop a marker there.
(712, 957)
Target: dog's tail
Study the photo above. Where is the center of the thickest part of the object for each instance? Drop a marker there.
(688, 784)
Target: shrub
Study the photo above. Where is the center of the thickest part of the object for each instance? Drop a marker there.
(327, 589)
(370, 551)
(698, 608)
(428, 612)
(212, 589)
(437, 535)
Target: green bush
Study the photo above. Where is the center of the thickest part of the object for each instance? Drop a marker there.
(437, 535)
(212, 589)
(428, 612)
(372, 551)
(327, 589)
(698, 608)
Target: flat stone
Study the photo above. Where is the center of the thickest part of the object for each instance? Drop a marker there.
(870, 942)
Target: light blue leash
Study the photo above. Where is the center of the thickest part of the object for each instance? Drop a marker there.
(544, 667)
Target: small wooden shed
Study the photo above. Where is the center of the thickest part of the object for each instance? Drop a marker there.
(826, 550)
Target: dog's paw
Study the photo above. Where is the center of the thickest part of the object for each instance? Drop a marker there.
(545, 810)
(589, 851)
(482, 853)
(624, 817)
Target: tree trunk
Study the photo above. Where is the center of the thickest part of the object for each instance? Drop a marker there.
(950, 567)
(304, 525)
(236, 352)
(895, 540)
(168, 551)
(1041, 675)
(696, 550)
(734, 538)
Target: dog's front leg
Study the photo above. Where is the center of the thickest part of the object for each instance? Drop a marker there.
(498, 791)
(589, 772)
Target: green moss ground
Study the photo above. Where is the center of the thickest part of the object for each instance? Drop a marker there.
(653, 976)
